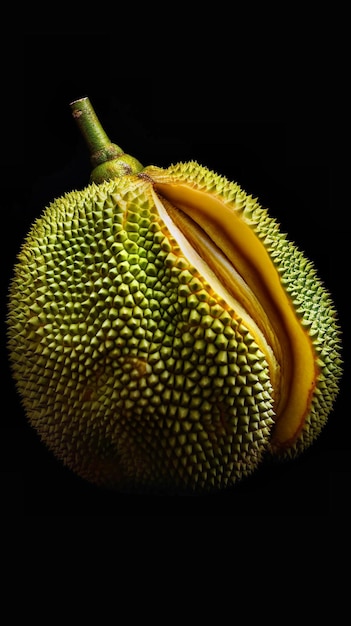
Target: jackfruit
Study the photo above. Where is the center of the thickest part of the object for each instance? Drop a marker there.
(163, 333)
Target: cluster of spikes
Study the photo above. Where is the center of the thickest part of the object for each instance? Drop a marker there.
(163, 333)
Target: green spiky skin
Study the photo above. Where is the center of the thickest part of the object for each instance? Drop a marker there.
(130, 368)
(312, 301)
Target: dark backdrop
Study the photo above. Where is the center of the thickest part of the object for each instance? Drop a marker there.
(266, 125)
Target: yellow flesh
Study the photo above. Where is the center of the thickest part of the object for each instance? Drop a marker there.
(275, 322)
(221, 276)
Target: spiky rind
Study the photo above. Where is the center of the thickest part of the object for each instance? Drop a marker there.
(311, 300)
(129, 366)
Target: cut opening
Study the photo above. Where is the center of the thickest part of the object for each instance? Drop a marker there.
(234, 261)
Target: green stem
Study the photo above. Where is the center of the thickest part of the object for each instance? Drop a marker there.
(108, 159)
(100, 147)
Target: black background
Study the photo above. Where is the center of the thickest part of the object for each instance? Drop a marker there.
(250, 113)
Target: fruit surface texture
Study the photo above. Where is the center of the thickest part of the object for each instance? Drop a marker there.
(163, 332)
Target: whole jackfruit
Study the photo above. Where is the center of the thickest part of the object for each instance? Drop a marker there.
(163, 332)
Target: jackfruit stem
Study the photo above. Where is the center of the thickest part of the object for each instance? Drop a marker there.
(100, 147)
(107, 159)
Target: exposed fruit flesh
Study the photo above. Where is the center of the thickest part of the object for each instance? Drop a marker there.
(255, 283)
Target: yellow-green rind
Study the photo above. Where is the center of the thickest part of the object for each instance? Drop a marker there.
(129, 367)
(311, 300)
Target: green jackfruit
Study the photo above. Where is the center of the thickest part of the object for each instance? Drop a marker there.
(163, 332)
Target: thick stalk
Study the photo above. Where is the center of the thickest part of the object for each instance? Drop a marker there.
(108, 160)
(100, 147)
